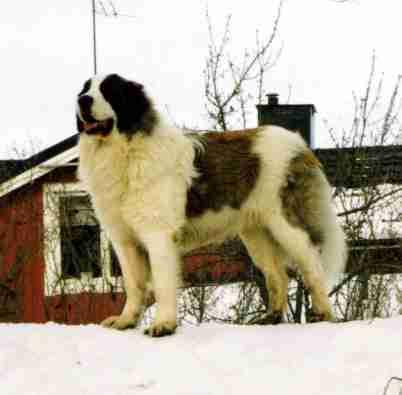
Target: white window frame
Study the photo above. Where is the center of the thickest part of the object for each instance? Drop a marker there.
(53, 279)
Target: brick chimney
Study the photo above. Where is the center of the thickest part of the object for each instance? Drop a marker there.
(297, 117)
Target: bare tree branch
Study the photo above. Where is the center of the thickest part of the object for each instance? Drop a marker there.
(225, 79)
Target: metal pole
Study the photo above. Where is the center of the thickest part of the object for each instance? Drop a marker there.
(94, 35)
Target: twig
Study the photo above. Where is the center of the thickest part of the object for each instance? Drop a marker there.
(389, 382)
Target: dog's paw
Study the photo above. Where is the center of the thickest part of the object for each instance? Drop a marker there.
(161, 329)
(312, 316)
(119, 322)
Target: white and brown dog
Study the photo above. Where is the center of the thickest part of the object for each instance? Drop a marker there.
(159, 192)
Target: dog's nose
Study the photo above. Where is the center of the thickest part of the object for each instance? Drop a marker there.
(85, 103)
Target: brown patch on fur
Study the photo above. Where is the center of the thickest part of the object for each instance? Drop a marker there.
(300, 195)
(228, 171)
(308, 160)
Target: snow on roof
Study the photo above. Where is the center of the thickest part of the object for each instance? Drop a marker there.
(16, 173)
(354, 358)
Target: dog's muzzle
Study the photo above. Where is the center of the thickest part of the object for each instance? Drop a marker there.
(86, 123)
(100, 128)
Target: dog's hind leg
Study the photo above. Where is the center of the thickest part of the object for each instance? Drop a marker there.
(306, 257)
(165, 267)
(270, 259)
(135, 270)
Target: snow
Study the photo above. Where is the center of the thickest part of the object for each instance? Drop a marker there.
(349, 358)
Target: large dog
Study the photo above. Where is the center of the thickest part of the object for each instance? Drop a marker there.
(159, 192)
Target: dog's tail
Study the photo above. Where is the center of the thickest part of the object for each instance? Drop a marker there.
(333, 245)
(333, 250)
(311, 197)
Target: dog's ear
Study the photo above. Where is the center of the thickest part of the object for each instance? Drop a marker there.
(85, 87)
(129, 102)
(135, 107)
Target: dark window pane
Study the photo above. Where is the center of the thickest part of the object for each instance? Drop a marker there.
(80, 237)
(76, 210)
(80, 250)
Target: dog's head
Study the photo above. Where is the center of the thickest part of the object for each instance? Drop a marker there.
(112, 102)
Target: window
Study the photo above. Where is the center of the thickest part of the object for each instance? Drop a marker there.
(78, 255)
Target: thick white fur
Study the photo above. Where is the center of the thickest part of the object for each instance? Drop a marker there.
(138, 188)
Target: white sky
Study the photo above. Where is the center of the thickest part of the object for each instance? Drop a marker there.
(46, 54)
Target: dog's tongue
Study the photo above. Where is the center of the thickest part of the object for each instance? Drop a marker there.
(94, 127)
(91, 125)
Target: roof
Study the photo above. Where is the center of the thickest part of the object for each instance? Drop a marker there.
(364, 165)
(16, 173)
(10, 168)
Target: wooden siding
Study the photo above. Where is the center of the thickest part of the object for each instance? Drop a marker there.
(83, 308)
(21, 266)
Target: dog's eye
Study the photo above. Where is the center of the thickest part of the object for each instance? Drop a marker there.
(85, 88)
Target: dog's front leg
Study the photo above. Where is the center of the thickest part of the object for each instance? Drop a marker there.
(135, 275)
(165, 268)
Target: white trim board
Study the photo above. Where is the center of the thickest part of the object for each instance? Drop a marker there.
(38, 171)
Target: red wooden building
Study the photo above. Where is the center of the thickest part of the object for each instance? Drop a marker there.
(38, 197)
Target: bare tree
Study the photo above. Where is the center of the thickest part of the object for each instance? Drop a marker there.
(231, 85)
(373, 211)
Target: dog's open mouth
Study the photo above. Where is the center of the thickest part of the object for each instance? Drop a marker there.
(102, 128)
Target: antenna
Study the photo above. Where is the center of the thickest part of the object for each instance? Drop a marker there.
(94, 35)
(108, 11)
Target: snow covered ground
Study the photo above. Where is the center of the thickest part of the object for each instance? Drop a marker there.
(212, 359)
